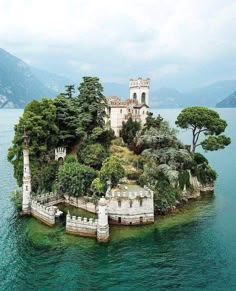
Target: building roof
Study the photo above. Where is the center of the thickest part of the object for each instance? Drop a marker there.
(141, 105)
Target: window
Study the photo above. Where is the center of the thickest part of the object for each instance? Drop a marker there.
(26, 188)
(130, 203)
(143, 98)
(141, 202)
(119, 203)
(119, 219)
(129, 110)
(143, 112)
(135, 96)
(121, 111)
(135, 111)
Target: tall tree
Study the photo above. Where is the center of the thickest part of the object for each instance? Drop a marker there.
(207, 121)
(39, 119)
(91, 105)
(67, 120)
(69, 91)
(129, 130)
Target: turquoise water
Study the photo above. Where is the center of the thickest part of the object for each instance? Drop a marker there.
(195, 249)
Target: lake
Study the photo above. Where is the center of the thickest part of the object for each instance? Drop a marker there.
(195, 249)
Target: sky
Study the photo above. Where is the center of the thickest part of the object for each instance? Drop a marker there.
(177, 43)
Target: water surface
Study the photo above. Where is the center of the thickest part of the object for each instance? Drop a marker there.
(195, 249)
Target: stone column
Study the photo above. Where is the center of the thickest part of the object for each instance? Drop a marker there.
(26, 188)
(103, 226)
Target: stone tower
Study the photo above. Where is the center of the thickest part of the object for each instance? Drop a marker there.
(26, 177)
(139, 90)
(103, 226)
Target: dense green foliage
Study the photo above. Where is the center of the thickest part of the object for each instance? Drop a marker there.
(129, 130)
(75, 179)
(168, 164)
(98, 186)
(112, 170)
(153, 155)
(204, 120)
(39, 118)
(92, 155)
(68, 120)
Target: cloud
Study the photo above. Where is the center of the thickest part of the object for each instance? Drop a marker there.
(169, 41)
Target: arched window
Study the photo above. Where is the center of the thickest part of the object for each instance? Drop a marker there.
(135, 96)
(143, 98)
(121, 111)
(131, 203)
(119, 203)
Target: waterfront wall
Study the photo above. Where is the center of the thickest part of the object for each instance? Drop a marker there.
(81, 226)
(44, 213)
(49, 199)
(81, 203)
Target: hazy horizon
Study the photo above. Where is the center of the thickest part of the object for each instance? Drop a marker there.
(178, 44)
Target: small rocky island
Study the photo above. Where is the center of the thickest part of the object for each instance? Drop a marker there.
(109, 157)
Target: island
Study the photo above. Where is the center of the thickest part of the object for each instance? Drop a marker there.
(110, 157)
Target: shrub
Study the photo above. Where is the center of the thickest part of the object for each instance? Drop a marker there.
(92, 155)
(70, 159)
(112, 170)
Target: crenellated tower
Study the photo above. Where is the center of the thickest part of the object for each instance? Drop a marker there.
(139, 90)
(26, 177)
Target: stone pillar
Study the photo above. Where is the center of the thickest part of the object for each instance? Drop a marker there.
(26, 188)
(103, 226)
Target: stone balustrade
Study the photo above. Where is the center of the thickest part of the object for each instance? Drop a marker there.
(147, 193)
(81, 226)
(44, 213)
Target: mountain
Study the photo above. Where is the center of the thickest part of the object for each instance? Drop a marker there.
(18, 85)
(50, 80)
(229, 102)
(207, 96)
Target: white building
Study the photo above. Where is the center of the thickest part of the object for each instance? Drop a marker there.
(135, 107)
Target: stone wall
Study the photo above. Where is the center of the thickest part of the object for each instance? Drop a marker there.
(131, 207)
(44, 213)
(49, 199)
(80, 202)
(81, 226)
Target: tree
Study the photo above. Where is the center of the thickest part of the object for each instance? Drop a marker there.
(67, 120)
(151, 121)
(92, 155)
(39, 120)
(129, 130)
(98, 186)
(69, 91)
(75, 179)
(91, 104)
(112, 170)
(203, 120)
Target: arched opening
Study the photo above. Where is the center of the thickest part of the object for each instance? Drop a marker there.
(119, 219)
(135, 96)
(143, 98)
(60, 161)
(141, 219)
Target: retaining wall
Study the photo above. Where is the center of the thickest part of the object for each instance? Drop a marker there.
(81, 226)
(80, 203)
(44, 213)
